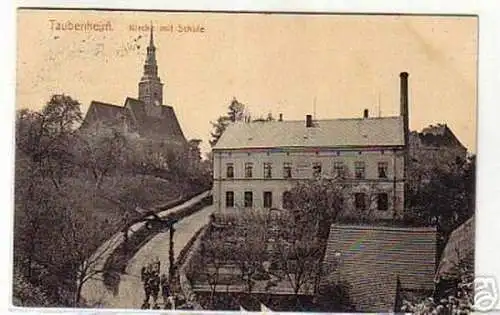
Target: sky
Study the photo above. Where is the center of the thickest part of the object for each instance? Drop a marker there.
(332, 66)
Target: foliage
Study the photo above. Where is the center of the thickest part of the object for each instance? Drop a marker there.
(458, 302)
(73, 190)
(447, 198)
(236, 111)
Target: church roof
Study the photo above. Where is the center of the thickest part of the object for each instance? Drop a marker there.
(385, 131)
(160, 123)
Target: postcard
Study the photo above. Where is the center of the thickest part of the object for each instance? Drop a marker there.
(246, 161)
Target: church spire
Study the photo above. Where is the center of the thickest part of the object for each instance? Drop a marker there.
(150, 86)
(151, 42)
(150, 67)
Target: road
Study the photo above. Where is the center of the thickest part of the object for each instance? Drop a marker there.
(130, 291)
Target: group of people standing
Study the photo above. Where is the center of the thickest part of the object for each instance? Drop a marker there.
(153, 284)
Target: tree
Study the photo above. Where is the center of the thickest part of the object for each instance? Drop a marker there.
(250, 253)
(213, 255)
(102, 153)
(236, 112)
(268, 118)
(45, 137)
(447, 198)
(458, 302)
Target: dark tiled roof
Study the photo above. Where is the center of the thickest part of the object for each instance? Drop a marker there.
(460, 246)
(99, 111)
(160, 123)
(372, 258)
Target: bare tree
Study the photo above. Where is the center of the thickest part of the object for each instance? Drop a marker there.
(213, 257)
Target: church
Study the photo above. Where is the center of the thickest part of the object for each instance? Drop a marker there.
(144, 117)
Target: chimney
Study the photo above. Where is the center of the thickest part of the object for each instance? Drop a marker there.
(365, 113)
(404, 96)
(281, 117)
(309, 121)
(404, 112)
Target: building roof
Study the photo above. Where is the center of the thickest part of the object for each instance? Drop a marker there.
(162, 121)
(460, 245)
(439, 135)
(371, 259)
(386, 131)
(159, 123)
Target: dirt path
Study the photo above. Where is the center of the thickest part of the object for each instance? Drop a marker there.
(130, 291)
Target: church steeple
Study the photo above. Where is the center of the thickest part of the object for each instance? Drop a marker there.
(150, 86)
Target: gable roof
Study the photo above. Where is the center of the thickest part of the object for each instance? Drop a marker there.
(163, 122)
(372, 258)
(159, 124)
(385, 131)
(99, 111)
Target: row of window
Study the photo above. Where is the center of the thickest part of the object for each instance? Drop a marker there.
(339, 169)
(359, 200)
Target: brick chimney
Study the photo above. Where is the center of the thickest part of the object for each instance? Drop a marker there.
(309, 121)
(404, 112)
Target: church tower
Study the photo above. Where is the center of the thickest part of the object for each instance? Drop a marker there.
(150, 86)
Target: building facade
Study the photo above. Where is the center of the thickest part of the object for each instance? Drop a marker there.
(256, 164)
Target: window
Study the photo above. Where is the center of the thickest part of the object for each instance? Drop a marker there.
(382, 169)
(287, 170)
(359, 169)
(268, 172)
(248, 170)
(359, 201)
(338, 169)
(382, 202)
(287, 200)
(316, 169)
(248, 199)
(229, 199)
(229, 170)
(268, 199)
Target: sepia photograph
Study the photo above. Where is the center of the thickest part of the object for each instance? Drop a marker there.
(245, 161)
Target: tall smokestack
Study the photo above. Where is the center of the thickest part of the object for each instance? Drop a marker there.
(405, 114)
(309, 121)
(404, 103)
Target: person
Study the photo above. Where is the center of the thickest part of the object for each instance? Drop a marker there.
(147, 293)
(154, 283)
(156, 264)
(143, 274)
(165, 289)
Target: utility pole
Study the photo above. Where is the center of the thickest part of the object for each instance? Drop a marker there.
(171, 257)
